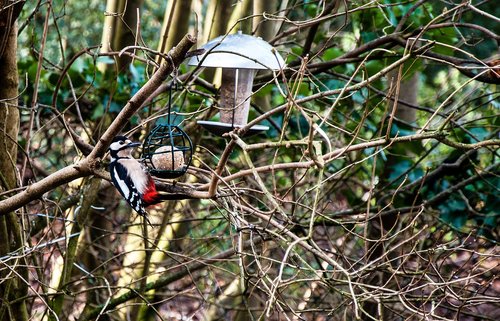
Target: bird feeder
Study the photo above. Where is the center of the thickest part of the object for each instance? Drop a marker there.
(240, 56)
(167, 150)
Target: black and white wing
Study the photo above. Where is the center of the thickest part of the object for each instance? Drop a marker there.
(126, 187)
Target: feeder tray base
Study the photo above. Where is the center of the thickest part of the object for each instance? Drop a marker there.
(219, 128)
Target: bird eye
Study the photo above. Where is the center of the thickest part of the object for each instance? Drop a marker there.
(121, 142)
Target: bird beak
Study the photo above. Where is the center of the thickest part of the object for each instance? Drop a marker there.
(133, 144)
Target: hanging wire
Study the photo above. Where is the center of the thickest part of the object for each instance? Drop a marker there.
(167, 150)
(237, 75)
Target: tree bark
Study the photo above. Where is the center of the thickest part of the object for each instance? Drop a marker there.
(10, 236)
(237, 22)
(126, 29)
(262, 27)
(175, 23)
(120, 27)
(9, 113)
(216, 22)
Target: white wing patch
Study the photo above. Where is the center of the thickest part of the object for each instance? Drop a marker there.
(122, 185)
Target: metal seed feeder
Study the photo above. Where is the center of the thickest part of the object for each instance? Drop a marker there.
(167, 150)
(239, 56)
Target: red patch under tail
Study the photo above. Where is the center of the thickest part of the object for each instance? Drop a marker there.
(151, 196)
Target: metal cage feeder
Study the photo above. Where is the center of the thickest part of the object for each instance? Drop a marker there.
(167, 151)
(239, 56)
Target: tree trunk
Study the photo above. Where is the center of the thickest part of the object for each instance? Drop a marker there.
(109, 29)
(241, 10)
(216, 22)
(10, 233)
(126, 29)
(262, 27)
(120, 29)
(9, 113)
(175, 24)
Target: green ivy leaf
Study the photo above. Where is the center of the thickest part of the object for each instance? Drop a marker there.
(454, 212)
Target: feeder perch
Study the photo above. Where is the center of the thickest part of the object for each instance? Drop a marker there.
(239, 56)
(167, 151)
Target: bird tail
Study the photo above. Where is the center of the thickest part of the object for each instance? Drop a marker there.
(142, 212)
(151, 196)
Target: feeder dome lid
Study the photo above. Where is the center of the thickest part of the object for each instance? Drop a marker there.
(239, 51)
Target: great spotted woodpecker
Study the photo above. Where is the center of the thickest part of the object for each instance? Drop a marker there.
(130, 178)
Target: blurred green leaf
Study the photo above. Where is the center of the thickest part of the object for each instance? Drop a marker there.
(453, 212)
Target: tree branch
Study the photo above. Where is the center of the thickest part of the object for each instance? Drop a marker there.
(92, 162)
(165, 280)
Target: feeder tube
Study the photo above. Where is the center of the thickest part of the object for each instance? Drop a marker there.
(235, 94)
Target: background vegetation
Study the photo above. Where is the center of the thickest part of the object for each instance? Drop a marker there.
(374, 195)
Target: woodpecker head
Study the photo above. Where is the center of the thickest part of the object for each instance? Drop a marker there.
(121, 147)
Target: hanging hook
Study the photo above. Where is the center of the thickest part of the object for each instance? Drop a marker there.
(169, 101)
